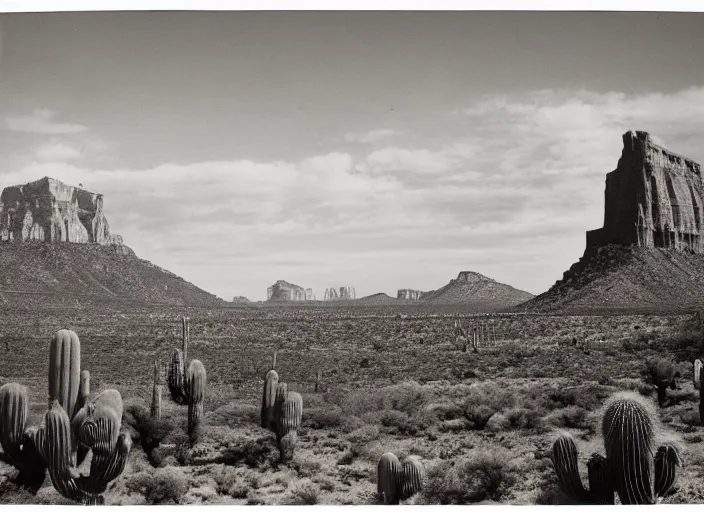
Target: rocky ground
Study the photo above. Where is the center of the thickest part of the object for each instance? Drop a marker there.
(481, 423)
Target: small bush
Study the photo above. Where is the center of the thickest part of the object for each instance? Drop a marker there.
(571, 416)
(304, 492)
(228, 482)
(481, 476)
(150, 433)
(524, 419)
(251, 452)
(319, 419)
(161, 486)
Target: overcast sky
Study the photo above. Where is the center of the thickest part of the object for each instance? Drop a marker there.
(374, 150)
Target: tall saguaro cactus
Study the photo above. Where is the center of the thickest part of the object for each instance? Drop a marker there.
(65, 370)
(195, 395)
(17, 440)
(155, 410)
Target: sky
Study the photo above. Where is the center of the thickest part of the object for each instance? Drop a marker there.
(380, 150)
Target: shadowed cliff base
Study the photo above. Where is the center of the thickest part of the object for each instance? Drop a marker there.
(44, 273)
(616, 278)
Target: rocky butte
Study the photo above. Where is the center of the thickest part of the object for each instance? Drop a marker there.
(282, 290)
(654, 198)
(648, 254)
(48, 210)
(408, 294)
(344, 293)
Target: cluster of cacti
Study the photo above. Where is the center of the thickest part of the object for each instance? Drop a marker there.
(633, 468)
(396, 480)
(282, 413)
(73, 426)
(480, 333)
(187, 383)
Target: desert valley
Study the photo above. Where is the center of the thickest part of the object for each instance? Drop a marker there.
(122, 383)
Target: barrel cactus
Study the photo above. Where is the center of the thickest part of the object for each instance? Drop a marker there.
(195, 395)
(388, 471)
(642, 473)
(18, 440)
(641, 465)
(412, 477)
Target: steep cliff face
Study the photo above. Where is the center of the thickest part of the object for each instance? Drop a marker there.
(648, 254)
(282, 290)
(408, 294)
(343, 293)
(654, 198)
(48, 210)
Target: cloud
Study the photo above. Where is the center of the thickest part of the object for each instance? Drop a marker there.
(510, 194)
(41, 121)
(371, 136)
(57, 152)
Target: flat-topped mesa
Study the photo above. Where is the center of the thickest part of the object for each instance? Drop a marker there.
(48, 210)
(282, 290)
(654, 198)
(468, 277)
(343, 293)
(408, 294)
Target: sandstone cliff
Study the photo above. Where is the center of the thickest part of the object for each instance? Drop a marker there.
(654, 198)
(477, 293)
(343, 293)
(48, 210)
(648, 254)
(408, 294)
(282, 290)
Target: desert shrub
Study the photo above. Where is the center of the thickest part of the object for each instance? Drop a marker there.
(233, 415)
(251, 452)
(150, 433)
(12, 494)
(228, 482)
(523, 418)
(364, 435)
(303, 492)
(400, 423)
(408, 397)
(478, 477)
(571, 416)
(346, 458)
(183, 453)
(482, 401)
(319, 419)
(160, 486)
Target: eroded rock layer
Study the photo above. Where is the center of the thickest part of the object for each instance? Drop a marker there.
(408, 294)
(282, 290)
(48, 210)
(654, 198)
(343, 293)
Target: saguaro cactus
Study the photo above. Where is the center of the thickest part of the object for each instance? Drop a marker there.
(289, 413)
(185, 335)
(697, 373)
(155, 410)
(565, 460)
(271, 383)
(100, 431)
(65, 370)
(195, 395)
(17, 441)
(176, 377)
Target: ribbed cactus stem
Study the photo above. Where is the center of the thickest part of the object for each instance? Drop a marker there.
(667, 463)
(176, 377)
(389, 470)
(185, 336)
(195, 392)
(288, 418)
(412, 477)
(65, 370)
(697, 373)
(273, 361)
(271, 383)
(566, 463)
(628, 429)
(601, 491)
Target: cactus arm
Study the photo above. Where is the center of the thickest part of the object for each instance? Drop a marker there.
(667, 462)
(271, 382)
(65, 370)
(697, 373)
(566, 464)
(176, 377)
(59, 453)
(601, 491)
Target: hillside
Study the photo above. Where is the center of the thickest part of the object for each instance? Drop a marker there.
(377, 299)
(40, 272)
(618, 277)
(477, 293)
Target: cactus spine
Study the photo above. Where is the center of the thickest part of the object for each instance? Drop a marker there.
(17, 441)
(195, 394)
